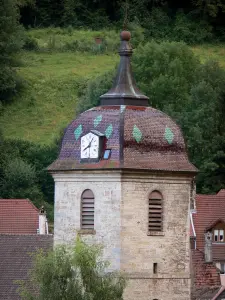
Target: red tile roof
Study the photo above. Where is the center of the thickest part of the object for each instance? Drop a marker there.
(203, 274)
(18, 216)
(209, 209)
(218, 252)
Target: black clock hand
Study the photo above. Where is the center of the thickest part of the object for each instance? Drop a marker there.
(89, 145)
(91, 142)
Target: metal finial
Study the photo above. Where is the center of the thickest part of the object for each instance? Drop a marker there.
(125, 22)
(124, 90)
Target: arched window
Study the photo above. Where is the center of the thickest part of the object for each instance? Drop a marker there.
(87, 210)
(155, 217)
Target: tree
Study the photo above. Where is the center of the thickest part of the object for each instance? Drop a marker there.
(210, 7)
(72, 273)
(11, 41)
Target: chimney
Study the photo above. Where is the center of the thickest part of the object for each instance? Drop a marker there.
(43, 223)
(208, 247)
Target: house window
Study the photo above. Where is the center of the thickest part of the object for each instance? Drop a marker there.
(87, 210)
(222, 268)
(218, 235)
(155, 221)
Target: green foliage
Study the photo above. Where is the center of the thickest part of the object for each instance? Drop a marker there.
(190, 92)
(191, 31)
(19, 180)
(72, 273)
(30, 44)
(210, 8)
(23, 172)
(181, 27)
(69, 15)
(11, 41)
(150, 13)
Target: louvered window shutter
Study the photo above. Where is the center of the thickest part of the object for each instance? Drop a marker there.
(155, 221)
(87, 210)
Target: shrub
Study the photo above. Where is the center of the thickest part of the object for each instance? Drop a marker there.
(137, 33)
(19, 180)
(73, 273)
(30, 44)
(23, 171)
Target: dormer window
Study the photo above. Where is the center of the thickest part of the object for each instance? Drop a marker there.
(218, 231)
(218, 235)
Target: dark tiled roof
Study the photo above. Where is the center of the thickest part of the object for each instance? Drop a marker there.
(220, 295)
(205, 293)
(18, 216)
(205, 275)
(16, 261)
(209, 209)
(140, 138)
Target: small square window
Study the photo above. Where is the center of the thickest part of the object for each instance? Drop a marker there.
(107, 154)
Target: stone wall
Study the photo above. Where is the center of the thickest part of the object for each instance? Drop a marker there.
(170, 250)
(121, 225)
(107, 191)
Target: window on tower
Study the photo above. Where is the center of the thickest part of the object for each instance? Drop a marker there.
(87, 210)
(155, 214)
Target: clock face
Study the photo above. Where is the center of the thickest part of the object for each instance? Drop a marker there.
(89, 146)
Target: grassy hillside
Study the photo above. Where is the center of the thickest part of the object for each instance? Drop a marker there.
(53, 77)
(49, 101)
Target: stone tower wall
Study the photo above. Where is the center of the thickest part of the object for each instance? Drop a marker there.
(121, 226)
(107, 192)
(170, 250)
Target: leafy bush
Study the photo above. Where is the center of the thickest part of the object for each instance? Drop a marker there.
(30, 43)
(23, 171)
(73, 273)
(137, 32)
(19, 180)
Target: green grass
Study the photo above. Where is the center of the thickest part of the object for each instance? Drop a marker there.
(49, 101)
(62, 39)
(214, 52)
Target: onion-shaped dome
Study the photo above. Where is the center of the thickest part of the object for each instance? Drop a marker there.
(125, 131)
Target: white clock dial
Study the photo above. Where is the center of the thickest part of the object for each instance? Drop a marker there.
(89, 146)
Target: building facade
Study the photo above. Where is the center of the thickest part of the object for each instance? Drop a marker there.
(123, 179)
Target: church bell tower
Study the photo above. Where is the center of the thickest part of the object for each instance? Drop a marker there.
(123, 179)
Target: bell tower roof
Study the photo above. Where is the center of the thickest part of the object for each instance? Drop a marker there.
(124, 90)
